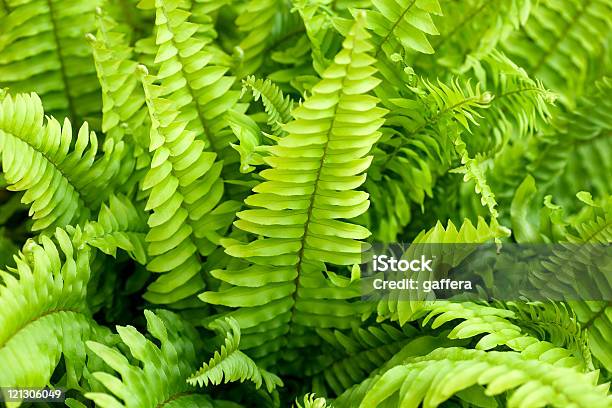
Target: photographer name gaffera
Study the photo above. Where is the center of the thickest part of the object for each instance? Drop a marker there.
(384, 263)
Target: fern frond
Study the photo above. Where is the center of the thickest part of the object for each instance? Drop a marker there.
(417, 148)
(63, 178)
(554, 322)
(43, 309)
(404, 310)
(311, 401)
(157, 375)
(577, 145)
(351, 356)
(119, 226)
(403, 24)
(521, 106)
(188, 78)
(472, 170)
(259, 22)
(277, 106)
(420, 346)
(321, 36)
(123, 102)
(563, 44)
(435, 378)
(38, 54)
(184, 186)
(470, 30)
(501, 328)
(230, 364)
(581, 285)
(314, 172)
(124, 113)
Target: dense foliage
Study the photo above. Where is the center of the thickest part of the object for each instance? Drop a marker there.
(186, 186)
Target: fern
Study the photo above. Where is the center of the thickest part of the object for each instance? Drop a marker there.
(119, 226)
(185, 185)
(405, 23)
(434, 378)
(310, 401)
(314, 170)
(160, 381)
(277, 106)
(402, 309)
(470, 31)
(576, 133)
(258, 25)
(44, 308)
(69, 181)
(231, 364)
(562, 44)
(502, 327)
(56, 64)
(199, 88)
(236, 163)
(123, 102)
(354, 354)
(422, 141)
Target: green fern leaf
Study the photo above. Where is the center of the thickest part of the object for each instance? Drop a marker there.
(563, 44)
(230, 364)
(184, 187)
(277, 106)
(69, 180)
(43, 309)
(157, 376)
(403, 23)
(433, 379)
(404, 310)
(314, 171)
(37, 54)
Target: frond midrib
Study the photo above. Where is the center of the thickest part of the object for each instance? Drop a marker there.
(39, 317)
(477, 11)
(294, 295)
(564, 34)
(175, 397)
(65, 176)
(395, 24)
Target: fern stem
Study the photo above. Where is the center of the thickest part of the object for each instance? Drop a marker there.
(564, 33)
(62, 62)
(311, 203)
(173, 398)
(463, 22)
(401, 17)
(36, 318)
(596, 315)
(286, 37)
